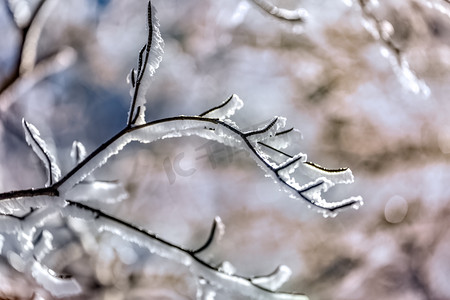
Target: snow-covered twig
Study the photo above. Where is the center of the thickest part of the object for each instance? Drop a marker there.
(148, 61)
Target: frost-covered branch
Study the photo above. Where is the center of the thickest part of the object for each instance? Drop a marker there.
(284, 172)
(217, 278)
(33, 243)
(267, 146)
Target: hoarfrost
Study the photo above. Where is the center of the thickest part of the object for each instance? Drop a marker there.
(275, 280)
(290, 165)
(39, 147)
(222, 279)
(226, 109)
(267, 131)
(147, 133)
(227, 268)
(286, 138)
(221, 132)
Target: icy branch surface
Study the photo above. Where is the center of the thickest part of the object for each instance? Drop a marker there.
(288, 173)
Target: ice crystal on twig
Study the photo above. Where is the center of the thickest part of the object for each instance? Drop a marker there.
(39, 147)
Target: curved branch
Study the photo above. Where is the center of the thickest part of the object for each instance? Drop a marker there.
(212, 235)
(185, 126)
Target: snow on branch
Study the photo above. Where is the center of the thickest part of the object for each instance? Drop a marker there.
(217, 279)
(223, 132)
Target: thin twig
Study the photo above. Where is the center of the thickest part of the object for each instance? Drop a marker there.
(142, 66)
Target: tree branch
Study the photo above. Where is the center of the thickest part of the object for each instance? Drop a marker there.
(219, 280)
(186, 126)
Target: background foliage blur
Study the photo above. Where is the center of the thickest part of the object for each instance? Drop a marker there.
(331, 77)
